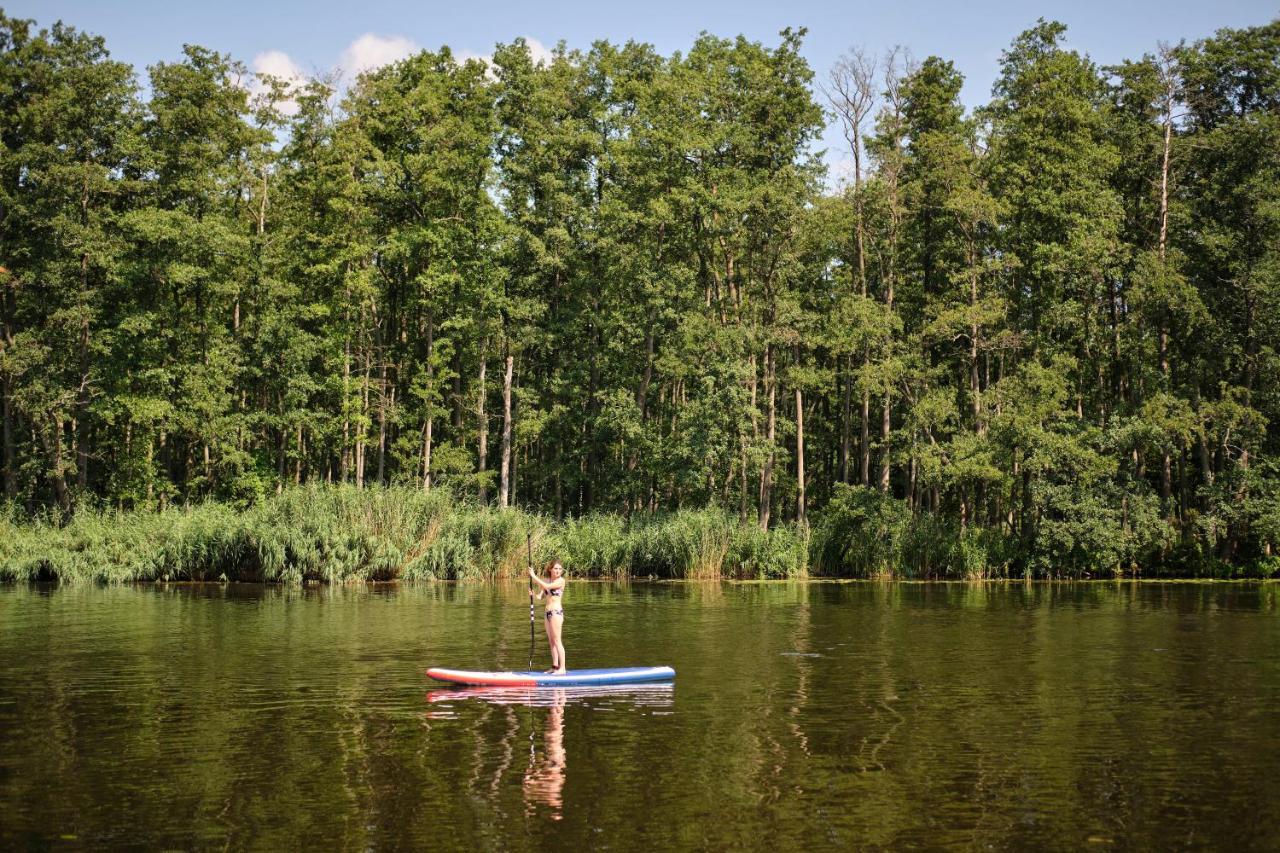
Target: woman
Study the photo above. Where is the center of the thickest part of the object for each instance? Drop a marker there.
(553, 590)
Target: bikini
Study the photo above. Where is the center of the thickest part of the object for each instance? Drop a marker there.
(558, 611)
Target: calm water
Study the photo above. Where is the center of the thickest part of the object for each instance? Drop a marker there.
(1082, 716)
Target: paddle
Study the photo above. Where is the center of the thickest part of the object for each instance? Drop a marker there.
(528, 541)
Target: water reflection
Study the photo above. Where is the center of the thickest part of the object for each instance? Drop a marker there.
(830, 716)
(657, 695)
(544, 780)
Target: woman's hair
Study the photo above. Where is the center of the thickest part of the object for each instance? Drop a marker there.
(552, 563)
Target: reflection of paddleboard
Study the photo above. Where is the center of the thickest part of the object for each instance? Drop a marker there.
(653, 693)
(625, 675)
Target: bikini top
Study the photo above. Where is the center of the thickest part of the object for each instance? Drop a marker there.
(556, 592)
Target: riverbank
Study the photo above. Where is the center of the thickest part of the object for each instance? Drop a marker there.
(338, 534)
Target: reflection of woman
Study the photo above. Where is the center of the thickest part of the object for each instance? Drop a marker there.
(554, 591)
(544, 780)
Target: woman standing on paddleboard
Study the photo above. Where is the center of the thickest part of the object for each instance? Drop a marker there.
(554, 591)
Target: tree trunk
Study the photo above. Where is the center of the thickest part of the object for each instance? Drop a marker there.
(282, 454)
(512, 498)
(1166, 473)
(975, 387)
(427, 426)
(503, 488)
(344, 464)
(364, 415)
(642, 402)
(884, 447)
(864, 448)
(799, 456)
(383, 404)
(10, 474)
(82, 407)
(52, 439)
(766, 473)
(755, 436)
(846, 420)
(482, 439)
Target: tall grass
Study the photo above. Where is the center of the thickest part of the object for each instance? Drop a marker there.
(337, 534)
(693, 544)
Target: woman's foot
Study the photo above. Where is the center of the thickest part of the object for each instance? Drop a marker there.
(551, 671)
(559, 672)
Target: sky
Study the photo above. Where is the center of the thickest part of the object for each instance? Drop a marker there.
(287, 37)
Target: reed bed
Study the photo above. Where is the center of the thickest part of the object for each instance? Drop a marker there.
(339, 534)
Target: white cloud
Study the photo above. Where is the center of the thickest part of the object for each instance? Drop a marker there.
(366, 53)
(374, 51)
(279, 64)
(539, 52)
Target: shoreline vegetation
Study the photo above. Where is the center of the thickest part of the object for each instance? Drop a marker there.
(382, 326)
(341, 534)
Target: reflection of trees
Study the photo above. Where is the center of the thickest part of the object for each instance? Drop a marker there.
(544, 780)
(881, 715)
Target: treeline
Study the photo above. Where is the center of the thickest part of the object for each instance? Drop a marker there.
(1040, 335)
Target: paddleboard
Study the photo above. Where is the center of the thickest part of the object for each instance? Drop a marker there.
(624, 675)
(658, 694)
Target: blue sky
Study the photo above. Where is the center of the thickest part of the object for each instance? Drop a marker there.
(278, 35)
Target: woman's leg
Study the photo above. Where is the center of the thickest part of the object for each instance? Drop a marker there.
(552, 640)
(557, 643)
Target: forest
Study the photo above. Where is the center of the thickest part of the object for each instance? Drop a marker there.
(1035, 337)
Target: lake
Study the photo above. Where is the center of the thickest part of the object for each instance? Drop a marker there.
(803, 715)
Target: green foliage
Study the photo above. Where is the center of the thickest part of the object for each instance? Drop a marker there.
(1037, 338)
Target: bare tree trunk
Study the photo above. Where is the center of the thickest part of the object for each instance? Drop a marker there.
(427, 426)
(503, 489)
(885, 455)
(282, 454)
(426, 455)
(755, 435)
(766, 473)
(864, 449)
(846, 420)
(52, 439)
(894, 93)
(82, 407)
(344, 464)
(853, 90)
(385, 401)
(364, 414)
(799, 456)
(975, 387)
(10, 474)
(642, 401)
(482, 421)
(512, 497)
(1168, 71)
